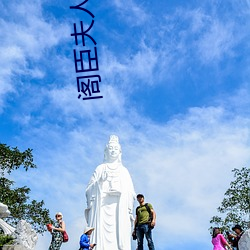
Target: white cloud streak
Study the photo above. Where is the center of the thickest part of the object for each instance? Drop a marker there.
(216, 43)
(131, 12)
(29, 38)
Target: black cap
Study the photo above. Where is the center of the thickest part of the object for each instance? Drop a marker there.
(139, 196)
(237, 227)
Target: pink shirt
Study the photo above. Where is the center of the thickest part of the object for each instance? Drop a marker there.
(219, 242)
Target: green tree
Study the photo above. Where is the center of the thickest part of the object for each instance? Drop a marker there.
(235, 207)
(17, 199)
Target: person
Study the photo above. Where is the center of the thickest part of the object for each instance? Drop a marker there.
(110, 198)
(85, 239)
(239, 231)
(142, 226)
(231, 240)
(56, 231)
(218, 240)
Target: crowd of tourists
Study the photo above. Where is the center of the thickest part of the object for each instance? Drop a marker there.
(143, 225)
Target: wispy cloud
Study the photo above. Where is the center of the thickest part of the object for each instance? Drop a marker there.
(217, 42)
(131, 12)
(31, 34)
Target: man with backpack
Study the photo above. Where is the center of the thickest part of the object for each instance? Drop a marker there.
(144, 223)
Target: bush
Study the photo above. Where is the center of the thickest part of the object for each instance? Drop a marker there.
(6, 240)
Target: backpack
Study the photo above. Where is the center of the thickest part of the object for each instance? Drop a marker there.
(149, 212)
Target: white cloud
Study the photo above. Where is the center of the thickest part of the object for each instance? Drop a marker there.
(111, 67)
(30, 36)
(198, 19)
(198, 33)
(131, 12)
(217, 42)
(66, 99)
(129, 72)
(143, 64)
(239, 101)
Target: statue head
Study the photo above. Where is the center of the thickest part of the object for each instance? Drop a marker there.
(113, 150)
(4, 211)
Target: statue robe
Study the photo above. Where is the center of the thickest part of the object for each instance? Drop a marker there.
(110, 197)
(244, 242)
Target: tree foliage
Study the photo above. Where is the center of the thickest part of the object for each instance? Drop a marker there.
(6, 239)
(17, 199)
(235, 207)
(12, 159)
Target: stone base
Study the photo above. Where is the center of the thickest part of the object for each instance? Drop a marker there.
(13, 247)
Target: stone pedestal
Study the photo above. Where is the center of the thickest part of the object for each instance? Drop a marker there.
(13, 247)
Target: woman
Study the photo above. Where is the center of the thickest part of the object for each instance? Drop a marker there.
(56, 231)
(84, 240)
(218, 240)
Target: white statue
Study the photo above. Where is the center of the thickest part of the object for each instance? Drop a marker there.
(244, 242)
(25, 235)
(110, 197)
(4, 212)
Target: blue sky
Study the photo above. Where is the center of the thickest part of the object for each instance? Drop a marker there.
(175, 87)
